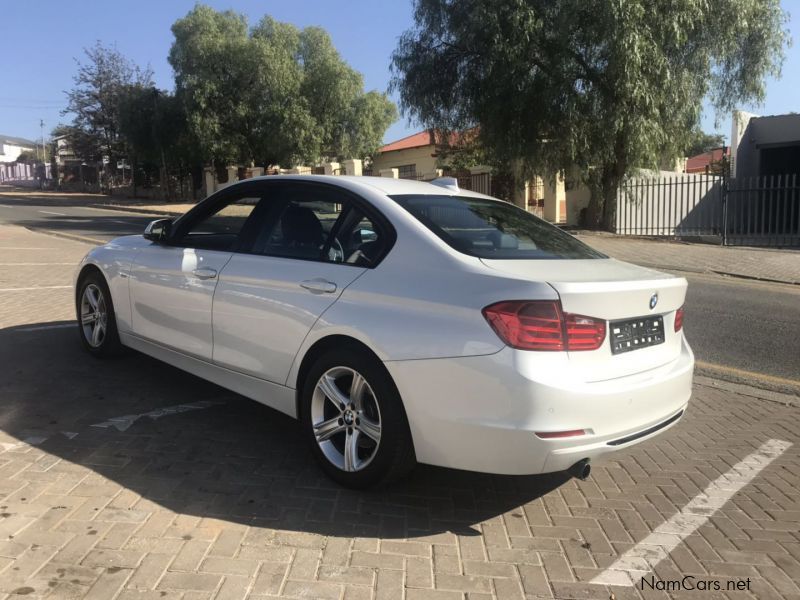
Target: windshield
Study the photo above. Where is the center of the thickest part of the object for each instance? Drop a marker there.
(493, 228)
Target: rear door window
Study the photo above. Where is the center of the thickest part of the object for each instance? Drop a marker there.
(310, 222)
(493, 229)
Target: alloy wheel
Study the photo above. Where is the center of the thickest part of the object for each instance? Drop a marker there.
(346, 419)
(94, 315)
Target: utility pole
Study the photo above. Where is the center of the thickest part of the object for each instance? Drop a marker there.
(41, 129)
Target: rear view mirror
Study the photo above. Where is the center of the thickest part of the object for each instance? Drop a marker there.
(158, 231)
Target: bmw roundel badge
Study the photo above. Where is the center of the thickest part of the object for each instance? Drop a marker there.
(653, 300)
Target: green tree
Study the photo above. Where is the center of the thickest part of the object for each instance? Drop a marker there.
(95, 99)
(607, 85)
(273, 94)
(700, 142)
(154, 127)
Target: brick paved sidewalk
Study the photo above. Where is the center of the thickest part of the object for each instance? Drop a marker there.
(756, 263)
(36, 273)
(225, 502)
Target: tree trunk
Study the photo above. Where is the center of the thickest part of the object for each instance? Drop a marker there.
(601, 210)
(134, 163)
(609, 205)
(609, 185)
(165, 187)
(593, 209)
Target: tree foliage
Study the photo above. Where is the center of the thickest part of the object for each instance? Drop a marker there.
(153, 124)
(607, 85)
(271, 94)
(94, 101)
(700, 142)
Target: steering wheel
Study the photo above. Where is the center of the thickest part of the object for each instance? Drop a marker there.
(336, 252)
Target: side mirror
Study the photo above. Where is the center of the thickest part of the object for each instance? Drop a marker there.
(158, 231)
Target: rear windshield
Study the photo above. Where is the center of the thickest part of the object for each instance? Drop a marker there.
(492, 228)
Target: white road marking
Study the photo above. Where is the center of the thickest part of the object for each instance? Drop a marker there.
(6, 206)
(48, 212)
(644, 556)
(33, 440)
(40, 287)
(44, 327)
(124, 422)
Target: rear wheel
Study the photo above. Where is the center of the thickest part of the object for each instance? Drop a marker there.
(97, 325)
(354, 420)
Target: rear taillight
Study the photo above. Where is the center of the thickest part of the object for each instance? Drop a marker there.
(541, 325)
(678, 319)
(584, 333)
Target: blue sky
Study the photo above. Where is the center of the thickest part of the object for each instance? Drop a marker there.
(43, 37)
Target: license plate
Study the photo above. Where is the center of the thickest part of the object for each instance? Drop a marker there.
(633, 334)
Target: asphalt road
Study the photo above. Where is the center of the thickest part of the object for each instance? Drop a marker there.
(76, 219)
(745, 327)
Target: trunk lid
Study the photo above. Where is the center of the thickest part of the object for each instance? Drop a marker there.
(614, 291)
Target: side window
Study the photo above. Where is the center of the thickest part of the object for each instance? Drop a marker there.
(302, 227)
(314, 223)
(360, 240)
(221, 229)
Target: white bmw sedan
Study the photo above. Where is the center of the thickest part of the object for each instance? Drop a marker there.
(400, 321)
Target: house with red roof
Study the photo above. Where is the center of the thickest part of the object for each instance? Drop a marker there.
(707, 162)
(415, 156)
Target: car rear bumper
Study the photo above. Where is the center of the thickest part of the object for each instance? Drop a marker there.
(482, 413)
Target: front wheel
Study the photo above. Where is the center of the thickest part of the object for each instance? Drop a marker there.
(354, 420)
(97, 325)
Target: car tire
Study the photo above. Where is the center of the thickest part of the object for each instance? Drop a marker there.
(97, 324)
(354, 420)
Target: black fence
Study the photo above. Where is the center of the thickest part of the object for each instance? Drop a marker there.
(752, 211)
(763, 211)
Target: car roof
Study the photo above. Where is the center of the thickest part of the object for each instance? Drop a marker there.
(387, 185)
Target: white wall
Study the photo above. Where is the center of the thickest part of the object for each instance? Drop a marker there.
(11, 152)
(668, 204)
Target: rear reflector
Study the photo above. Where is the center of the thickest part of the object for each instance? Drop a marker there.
(550, 435)
(678, 319)
(541, 325)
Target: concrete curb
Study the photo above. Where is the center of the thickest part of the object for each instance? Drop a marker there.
(684, 269)
(67, 236)
(135, 209)
(754, 278)
(748, 390)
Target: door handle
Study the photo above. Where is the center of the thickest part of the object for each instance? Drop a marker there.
(319, 286)
(205, 273)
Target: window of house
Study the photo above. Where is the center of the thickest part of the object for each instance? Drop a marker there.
(407, 171)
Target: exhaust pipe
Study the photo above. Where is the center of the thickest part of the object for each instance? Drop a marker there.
(580, 470)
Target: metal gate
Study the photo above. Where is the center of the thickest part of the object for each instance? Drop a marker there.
(671, 206)
(752, 211)
(762, 211)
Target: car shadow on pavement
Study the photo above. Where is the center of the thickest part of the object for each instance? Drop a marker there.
(236, 460)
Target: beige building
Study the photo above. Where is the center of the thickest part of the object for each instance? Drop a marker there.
(414, 156)
(556, 198)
